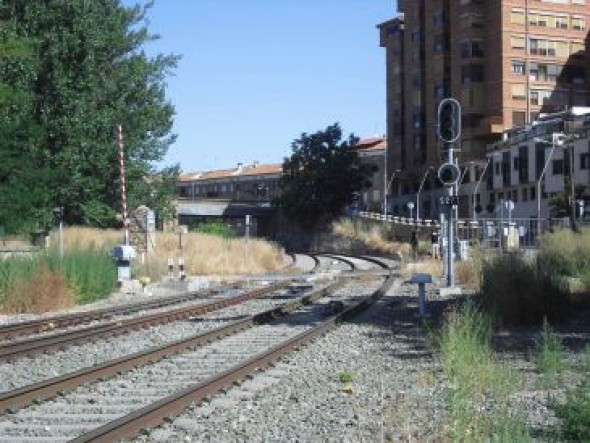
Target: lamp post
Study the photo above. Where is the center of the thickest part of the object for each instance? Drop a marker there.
(411, 208)
(483, 173)
(430, 168)
(58, 213)
(557, 139)
(386, 188)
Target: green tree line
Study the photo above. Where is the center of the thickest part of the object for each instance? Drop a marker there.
(71, 71)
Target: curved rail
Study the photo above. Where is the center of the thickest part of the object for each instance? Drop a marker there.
(152, 415)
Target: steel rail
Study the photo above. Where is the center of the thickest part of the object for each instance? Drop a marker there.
(17, 398)
(12, 350)
(61, 321)
(30, 327)
(343, 260)
(131, 425)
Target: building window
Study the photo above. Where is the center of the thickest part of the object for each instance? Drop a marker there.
(472, 73)
(517, 16)
(517, 42)
(533, 192)
(578, 23)
(497, 167)
(585, 161)
(439, 91)
(519, 91)
(525, 194)
(471, 49)
(557, 167)
(518, 67)
(518, 118)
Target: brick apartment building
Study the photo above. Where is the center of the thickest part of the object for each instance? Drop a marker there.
(506, 61)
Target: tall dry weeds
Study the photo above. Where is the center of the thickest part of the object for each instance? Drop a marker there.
(46, 291)
(206, 254)
(77, 237)
(375, 237)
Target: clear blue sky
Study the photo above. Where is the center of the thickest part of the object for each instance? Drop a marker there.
(255, 74)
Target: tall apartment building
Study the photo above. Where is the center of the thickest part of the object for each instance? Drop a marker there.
(505, 61)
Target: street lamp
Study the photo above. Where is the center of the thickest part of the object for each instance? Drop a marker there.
(411, 208)
(557, 139)
(483, 173)
(387, 186)
(430, 168)
(58, 214)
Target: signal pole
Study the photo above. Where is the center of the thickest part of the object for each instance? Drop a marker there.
(449, 131)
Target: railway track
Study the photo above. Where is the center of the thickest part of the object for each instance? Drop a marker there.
(42, 344)
(266, 340)
(55, 332)
(57, 322)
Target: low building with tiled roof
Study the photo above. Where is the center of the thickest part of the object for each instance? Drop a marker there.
(251, 183)
(259, 183)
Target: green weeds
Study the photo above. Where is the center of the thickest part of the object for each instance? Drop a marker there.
(478, 385)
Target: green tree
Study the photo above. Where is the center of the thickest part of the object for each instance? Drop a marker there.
(90, 75)
(23, 194)
(321, 177)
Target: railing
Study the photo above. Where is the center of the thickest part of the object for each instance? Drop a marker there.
(488, 232)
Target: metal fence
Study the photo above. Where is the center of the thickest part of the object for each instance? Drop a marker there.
(499, 233)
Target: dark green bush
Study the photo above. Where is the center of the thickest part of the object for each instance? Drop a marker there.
(516, 291)
(214, 228)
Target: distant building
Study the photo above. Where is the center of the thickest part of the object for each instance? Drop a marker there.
(252, 183)
(507, 62)
(557, 146)
(372, 151)
(230, 194)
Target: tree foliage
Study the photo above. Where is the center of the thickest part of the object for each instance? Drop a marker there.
(88, 74)
(321, 177)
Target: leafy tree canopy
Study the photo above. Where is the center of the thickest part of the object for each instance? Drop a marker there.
(87, 73)
(321, 177)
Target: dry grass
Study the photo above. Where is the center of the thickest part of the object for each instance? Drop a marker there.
(206, 254)
(375, 237)
(203, 254)
(46, 291)
(468, 272)
(87, 238)
(425, 266)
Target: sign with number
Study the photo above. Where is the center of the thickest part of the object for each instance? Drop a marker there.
(448, 200)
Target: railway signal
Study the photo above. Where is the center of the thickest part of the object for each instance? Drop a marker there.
(449, 120)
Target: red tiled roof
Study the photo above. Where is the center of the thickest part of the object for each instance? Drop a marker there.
(244, 171)
(371, 144)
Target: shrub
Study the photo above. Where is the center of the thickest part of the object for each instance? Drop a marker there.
(345, 377)
(47, 290)
(478, 386)
(214, 228)
(516, 291)
(566, 252)
(91, 273)
(574, 413)
(549, 356)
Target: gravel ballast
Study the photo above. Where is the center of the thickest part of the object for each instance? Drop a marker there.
(395, 393)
